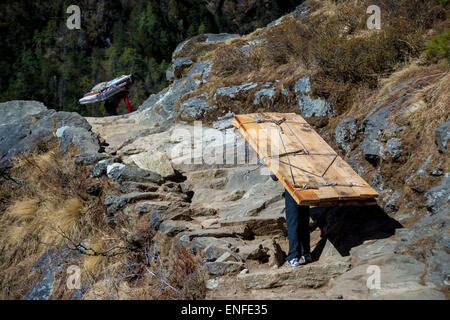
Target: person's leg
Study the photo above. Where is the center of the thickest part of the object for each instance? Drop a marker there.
(292, 222)
(111, 108)
(303, 230)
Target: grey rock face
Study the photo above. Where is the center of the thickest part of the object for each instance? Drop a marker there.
(301, 11)
(48, 264)
(218, 268)
(161, 109)
(261, 225)
(84, 139)
(172, 228)
(18, 109)
(213, 38)
(131, 186)
(355, 162)
(371, 146)
(194, 109)
(264, 94)
(25, 123)
(214, 252)
(442, 135)
(310, 107)
(254, 252)
(179, 65)
(122, 173)
(114, 202)
(217, 233)
(169, 75)
(438, 197)
(391, 206)
(432, 232)
(345, 133)
(159, 216)
(393, 148)
(224, 122)
(231, 92)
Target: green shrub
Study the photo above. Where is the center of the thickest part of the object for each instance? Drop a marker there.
(438, 47)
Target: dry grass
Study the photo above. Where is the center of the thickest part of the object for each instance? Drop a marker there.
(47, 208)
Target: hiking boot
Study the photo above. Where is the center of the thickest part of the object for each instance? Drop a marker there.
(293, 263)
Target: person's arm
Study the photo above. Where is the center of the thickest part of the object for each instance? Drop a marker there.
(128, 104)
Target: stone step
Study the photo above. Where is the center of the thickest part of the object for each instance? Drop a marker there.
(122, 173)
(264, 225)
(115, 202)
(131, 186)
(217, 233)
(313, 275)
(172, 228)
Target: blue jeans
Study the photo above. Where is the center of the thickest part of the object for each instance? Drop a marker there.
(297, 220)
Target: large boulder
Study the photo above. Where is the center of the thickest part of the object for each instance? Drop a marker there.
(86, 141)
(13, 111)
(23, 124)
(154, 161)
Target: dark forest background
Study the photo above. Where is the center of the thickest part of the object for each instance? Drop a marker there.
(43, 60)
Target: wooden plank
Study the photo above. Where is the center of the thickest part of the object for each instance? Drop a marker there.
(317, 164)
(320, 164)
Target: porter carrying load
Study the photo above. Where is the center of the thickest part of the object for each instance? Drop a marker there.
(112, 92)
(310, 170)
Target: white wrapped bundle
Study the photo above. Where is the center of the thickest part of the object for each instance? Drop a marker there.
(105, 90)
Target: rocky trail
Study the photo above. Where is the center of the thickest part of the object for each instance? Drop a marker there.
(177, 166)
(234, 216)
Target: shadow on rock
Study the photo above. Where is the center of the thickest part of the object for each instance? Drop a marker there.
(349, 226)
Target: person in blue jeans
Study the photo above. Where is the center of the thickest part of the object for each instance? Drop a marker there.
(297, 221)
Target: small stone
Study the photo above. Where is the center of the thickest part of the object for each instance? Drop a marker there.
(245, 271)
(212, 283)
(437, 172)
